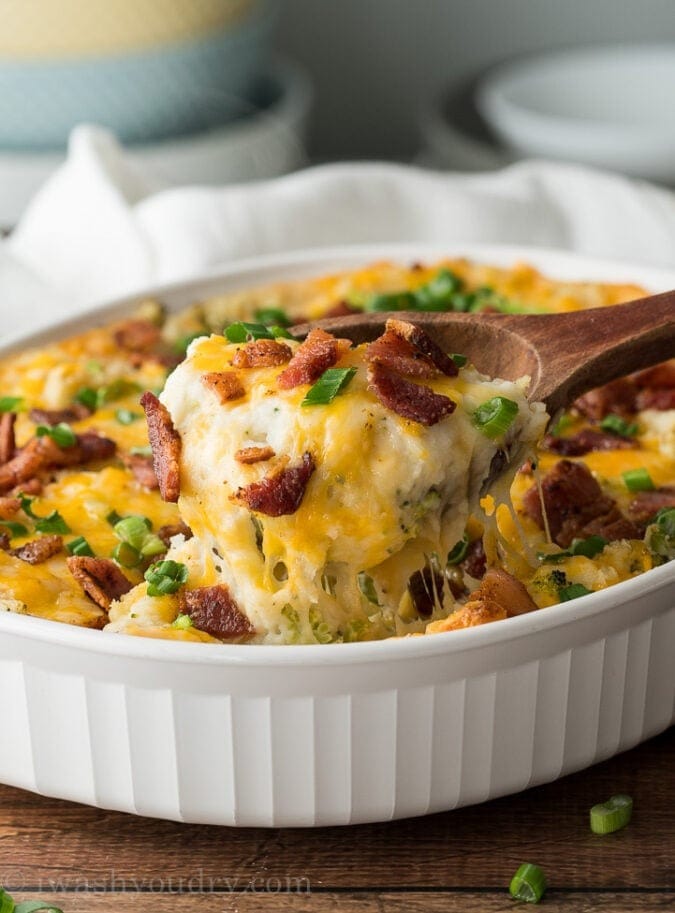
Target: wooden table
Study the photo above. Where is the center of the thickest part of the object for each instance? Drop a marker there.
(87, 860)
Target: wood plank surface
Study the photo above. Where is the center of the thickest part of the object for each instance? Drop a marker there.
(456, 860)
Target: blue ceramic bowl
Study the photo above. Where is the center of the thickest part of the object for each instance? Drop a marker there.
(142, 95)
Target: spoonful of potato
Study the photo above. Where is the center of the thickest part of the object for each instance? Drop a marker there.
(565, 354)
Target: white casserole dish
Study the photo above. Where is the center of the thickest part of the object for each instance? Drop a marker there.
(343, 733)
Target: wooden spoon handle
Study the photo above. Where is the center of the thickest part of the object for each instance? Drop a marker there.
(579, 350)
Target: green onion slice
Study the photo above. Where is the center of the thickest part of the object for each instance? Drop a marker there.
(327, 387)
(116, 389)
(10, 403)
(88, 397)
(270, 317)
(573, 591)
(165, 577)
(612, 815)
(638, 480)
(79, 546)
(528, 884)
(62, 434)
(14, 529)
(458, 552)
(280, 332)
(245, 332)
(133, 529)
(182, 622)
(589, 547)
(126, 555)
(459, 360)
(495, 416)
(616, 425)
(127, 417)
(52, 523)
(563, 423)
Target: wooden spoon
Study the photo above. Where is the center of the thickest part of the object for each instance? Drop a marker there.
(564, 354)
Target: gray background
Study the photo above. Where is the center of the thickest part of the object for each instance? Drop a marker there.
(374, 62)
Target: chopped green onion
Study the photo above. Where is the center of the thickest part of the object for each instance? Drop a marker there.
(459, 360)
(141, 451)
(113, 517)
(638, 480)
(62, 434)
(458, 552)
(589, 548)
(88, 397)
(244, 332)
(495, 417)
(127, 417)
(15, 529)
(398, 301)
(52, 523)
(665, 520)
(280, 332)
(269, 317)
(327, 387)
(528, 884)
(116, 389)
(126, 555)
(181, 345)
(27, 504)
(437, 294)
(133, 529)
(79, 546)
(563, 423)
(616, 425)
(612, 815)
(165, 577)
(10, 403)
(182, 622)
(573, 591)
(367, 587)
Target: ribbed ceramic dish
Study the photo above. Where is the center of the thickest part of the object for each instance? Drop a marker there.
(343, 733)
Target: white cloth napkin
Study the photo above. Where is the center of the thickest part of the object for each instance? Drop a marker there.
(96, 230)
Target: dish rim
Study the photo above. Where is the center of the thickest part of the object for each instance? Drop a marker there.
(296, 265)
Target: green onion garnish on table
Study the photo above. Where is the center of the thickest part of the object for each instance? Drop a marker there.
(495, 416)
(327, 387)
(7, 905)
(638, 480)
(165, 577)
(616, 425)
(528, 884)
(612, 815)
(62, 434)
(10, 403)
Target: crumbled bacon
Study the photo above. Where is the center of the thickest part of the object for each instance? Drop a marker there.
(318, 352)
(137, 335)
(166, 446)
(475, 561)
(142, 468)
(225, 384)
(166, 533)
(341, 309)
(214, 610)
(399, 355)
(503, 588)
(412, 401)
(646, 503)
(617, 397)
(92, 447)
(38, 550)
(280, 493)
(254, 454)
(660, 377)
(100, 578)
(576, 506)
(660, 399)
(473, 613)
(423, 343)
(7, 438)
(9, 507)
(262, 353)
(585, 441)
(73, 413)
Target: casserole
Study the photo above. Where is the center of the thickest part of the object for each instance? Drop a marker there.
(333, 734)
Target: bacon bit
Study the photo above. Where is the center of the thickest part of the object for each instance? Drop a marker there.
(9, 507)
(318, 352)
(7, 438)
(38, 550)
(166, 446)
(341, 309)
(585, 441)
(660, 399)
(576, 506)
(100, 578)
(142, 468)
(412, 401)
(166, 533)
(29, 487)
(475, 561)
(262, 353)
(137, 335)
(501, 587)
(26, 464)
(214, 610)
(254, 454)
(92, 447)
(73, 413)
(424, 344)
(225, 384)
(646, 503)
(278, 494)
(617, 397)
(475, 612)
(660, 377)
(399, 355)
